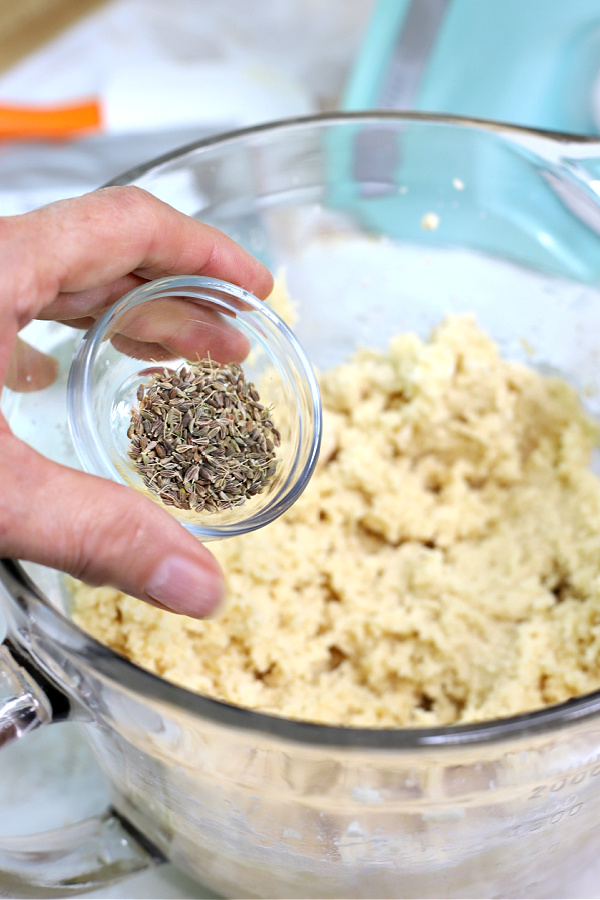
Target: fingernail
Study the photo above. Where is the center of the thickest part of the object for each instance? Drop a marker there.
(184, 587)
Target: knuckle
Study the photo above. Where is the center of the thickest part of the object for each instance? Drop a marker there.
(127, 199)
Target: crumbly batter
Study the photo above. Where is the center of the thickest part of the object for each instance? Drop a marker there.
(443, 565)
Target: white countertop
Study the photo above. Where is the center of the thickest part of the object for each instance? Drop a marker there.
(293, 58)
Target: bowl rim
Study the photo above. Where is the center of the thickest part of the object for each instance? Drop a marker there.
(127, 675)
(546, 138)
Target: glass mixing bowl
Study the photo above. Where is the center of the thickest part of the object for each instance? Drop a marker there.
(383, 223)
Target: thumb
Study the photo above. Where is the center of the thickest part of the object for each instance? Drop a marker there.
(102, 533)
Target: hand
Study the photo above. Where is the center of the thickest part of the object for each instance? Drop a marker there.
(68, 262)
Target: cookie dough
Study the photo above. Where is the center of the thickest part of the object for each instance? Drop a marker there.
(443, 565)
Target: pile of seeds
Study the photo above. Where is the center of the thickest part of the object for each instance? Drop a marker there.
(201, 439)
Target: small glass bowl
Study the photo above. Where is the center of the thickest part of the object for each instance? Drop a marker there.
(171, 322)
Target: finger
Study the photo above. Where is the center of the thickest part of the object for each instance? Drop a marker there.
(182, 328)
(84, 322)
(102, 533)
(67, 306)
(170, 328)
(30, 369)
(100, 237)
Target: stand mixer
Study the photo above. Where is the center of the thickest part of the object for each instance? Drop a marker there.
(535, 63)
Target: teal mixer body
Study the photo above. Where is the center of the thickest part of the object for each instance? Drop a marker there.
(529, 62)
(532, 63)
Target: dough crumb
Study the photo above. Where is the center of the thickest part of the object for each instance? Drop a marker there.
(430, 221)
(442, 566)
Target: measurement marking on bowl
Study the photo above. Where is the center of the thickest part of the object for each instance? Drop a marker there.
(543, 789)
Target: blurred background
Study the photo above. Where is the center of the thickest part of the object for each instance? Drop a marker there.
(162, 74)
(89, 89)
(121, 82)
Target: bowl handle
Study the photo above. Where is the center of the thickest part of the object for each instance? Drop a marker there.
(69, 860)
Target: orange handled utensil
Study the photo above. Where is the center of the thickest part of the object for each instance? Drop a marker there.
(49, 121)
